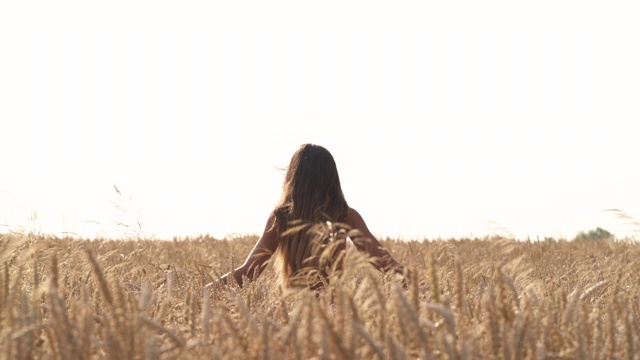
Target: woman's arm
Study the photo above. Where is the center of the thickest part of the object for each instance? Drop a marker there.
(367, 243)
(262, 251)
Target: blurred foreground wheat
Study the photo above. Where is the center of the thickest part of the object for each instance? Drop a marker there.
(469, 299)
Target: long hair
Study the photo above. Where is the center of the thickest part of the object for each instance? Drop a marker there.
(311, 196)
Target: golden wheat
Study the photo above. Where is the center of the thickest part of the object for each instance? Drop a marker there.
(466, 299)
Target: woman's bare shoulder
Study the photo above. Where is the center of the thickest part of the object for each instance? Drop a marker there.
(354, 219)
(351, 212)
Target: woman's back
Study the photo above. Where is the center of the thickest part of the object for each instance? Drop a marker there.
(296, 231)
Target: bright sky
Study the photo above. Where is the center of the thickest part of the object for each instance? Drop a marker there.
(446, 118)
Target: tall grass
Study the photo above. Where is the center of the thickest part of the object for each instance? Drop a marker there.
(468, 299)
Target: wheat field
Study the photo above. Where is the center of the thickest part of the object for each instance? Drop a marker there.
(488, 298)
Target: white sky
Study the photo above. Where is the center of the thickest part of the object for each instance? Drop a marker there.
(443, 116)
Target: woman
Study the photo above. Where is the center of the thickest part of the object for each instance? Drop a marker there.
(311, 197)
